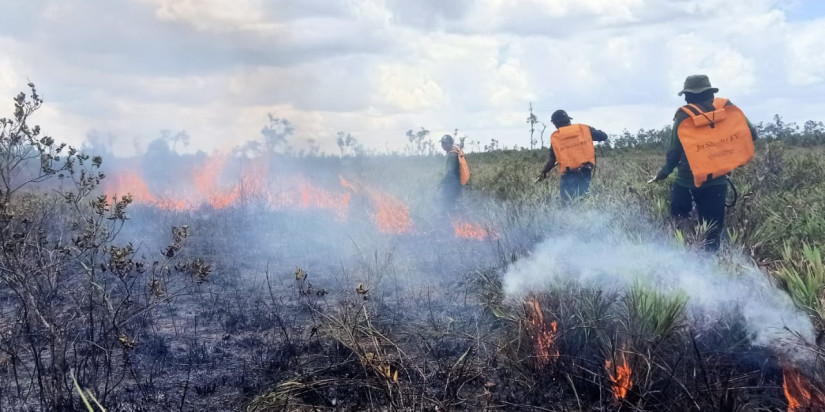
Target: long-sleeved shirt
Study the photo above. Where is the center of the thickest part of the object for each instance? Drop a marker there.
(596, 134)
(452, 177)
(676, 157)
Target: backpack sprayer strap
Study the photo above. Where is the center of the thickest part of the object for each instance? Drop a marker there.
(693, 110)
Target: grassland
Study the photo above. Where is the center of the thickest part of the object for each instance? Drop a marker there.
(603, 306)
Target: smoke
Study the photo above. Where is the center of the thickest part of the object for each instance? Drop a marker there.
(377, 220)
(345, 221)
(593, 250)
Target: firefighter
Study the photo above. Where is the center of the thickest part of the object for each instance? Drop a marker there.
(711, 137)
(456, 176)
(571, 146)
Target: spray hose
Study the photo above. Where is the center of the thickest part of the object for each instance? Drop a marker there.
(735, 193)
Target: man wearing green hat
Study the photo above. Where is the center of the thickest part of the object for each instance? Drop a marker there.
(696, 126)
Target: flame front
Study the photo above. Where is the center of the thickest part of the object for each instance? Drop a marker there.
(208, 184)
(801, 394)
(391, 215)
(620, 377)
(545, 334)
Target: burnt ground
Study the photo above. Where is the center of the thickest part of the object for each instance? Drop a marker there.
(411, 321)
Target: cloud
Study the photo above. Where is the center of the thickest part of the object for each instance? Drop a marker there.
(428, 13)
(409, 88)
(211, 15)
(728, 68)
(806, 60)
(376, 68)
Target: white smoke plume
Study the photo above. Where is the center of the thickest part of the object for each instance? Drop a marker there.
(592, 251)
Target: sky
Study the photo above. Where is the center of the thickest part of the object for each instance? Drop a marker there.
(124, 70)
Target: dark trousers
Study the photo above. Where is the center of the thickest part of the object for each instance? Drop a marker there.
(450, 193)
(710, 205)
(575, 183)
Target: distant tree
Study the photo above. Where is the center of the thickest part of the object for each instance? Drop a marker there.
(173, 139)
(349, 145)
(813, 128)
(419, 144)
(252, 148)
(532, 120)
(777, 129)
(458, 139)
(813, 132)
(314, 148)
(98, 143)
(493, 146)
(159, 166)
(277, 135)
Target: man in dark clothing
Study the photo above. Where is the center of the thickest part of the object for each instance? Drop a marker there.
(451, 183)
(576, 155)
(710, 196)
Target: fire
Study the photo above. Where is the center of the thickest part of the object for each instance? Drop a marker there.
(129, 182)
(316, 197)
(472, 231)
(205, 178)
(620, 377)
(208, 184)
(545, 348)
(222, 201)
(205, 181)
(345, 183)
(391, 215)
(801, 395)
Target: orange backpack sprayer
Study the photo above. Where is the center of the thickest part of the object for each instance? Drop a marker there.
(716, 142)
(573, 146)
(464, 170)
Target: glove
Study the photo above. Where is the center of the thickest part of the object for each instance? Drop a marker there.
(657, 178)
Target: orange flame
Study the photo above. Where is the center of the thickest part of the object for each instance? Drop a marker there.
(129, 182)
(620, 377)
(205, 178)
(222, 201)
(316, 197)
(391, 215)
(801, 395)
(545, 334)
(345, 183)
(472, 231)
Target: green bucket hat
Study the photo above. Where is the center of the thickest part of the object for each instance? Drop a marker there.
(697, 83)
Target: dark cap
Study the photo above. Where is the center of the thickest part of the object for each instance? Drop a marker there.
(559, 116)
(446, 139)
